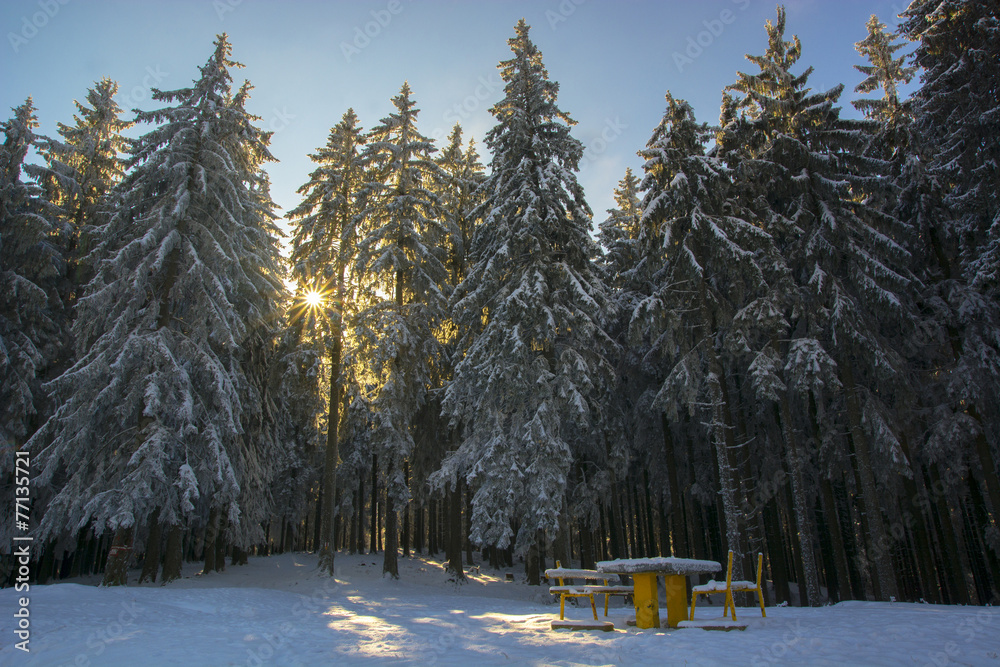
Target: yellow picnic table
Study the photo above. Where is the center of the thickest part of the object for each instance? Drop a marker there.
(644, 572)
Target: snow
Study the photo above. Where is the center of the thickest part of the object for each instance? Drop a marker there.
(281, 611)
(661, 564)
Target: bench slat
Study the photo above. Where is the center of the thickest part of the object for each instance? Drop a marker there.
(567, 573)
(571, 590)
(613, 590)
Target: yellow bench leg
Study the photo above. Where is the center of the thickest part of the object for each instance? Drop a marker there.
(647, 609)
(676, 599)
(562, 607)
(593, 606)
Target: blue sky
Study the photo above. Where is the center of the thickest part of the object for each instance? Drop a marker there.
(309, 61)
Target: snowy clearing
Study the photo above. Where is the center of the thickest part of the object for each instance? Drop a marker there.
(280, 611)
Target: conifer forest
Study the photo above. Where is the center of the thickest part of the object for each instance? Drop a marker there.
(784, 338)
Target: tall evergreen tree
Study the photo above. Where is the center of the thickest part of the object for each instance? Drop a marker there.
(709, 272)
(323, 254)
(884, 70)
(805, 172)
(958, 113)
(529, 315)
(401, 262)
(950, 197)
(82, 170)
(460, 194)
(153, 416)
(29, 266)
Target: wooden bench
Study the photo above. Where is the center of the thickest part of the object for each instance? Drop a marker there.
(588, 591)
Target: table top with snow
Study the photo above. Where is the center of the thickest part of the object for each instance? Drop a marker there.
(660, 565)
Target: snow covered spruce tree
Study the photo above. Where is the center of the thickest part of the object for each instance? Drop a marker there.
(803, 176)
(709, 257)
(153, 416)
(926, 352)
(620, 235)
(886, 71)
(638, 435)
(529, 320)
(460, 196)
(401, 264)
(30, 265)
(949, 195)
(81, 172)
(323, 254)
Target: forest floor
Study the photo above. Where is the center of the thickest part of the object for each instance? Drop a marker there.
(279, 610)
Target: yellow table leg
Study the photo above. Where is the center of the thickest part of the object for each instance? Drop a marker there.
(676, 599)
(647, 609)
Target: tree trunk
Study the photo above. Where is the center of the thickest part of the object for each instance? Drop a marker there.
(467, 530)
(678, 530)
(809, 583)
(455, 532)
(116, 569)
(531, 564)
(173, 555)
(842, 572)
(151, 561)
(879, 538)
(220, 543)
(373, 534)
(390, 560)
(332, 455)
(776, 551)
(727, 484)
(654, 548)
(405, 539)
(211, 532)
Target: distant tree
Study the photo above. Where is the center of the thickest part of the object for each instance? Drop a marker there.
(156, 416)
(529, 315)
(620, 235)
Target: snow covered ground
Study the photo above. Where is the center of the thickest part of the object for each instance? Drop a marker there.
(280, 611)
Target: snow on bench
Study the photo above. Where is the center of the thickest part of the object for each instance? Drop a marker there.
(605, 626)
(584, 591)
(663, 564)
(714, 586)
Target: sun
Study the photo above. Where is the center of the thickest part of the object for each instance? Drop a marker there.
(313, 299)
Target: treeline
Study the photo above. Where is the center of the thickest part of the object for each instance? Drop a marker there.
(784, 340)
